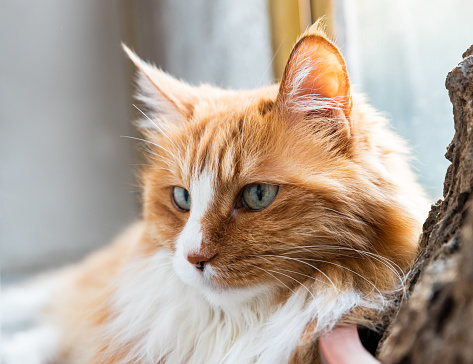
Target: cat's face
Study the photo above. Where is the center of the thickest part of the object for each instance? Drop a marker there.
(259, 191)
(239, 189)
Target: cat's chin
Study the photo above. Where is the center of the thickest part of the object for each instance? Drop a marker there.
(238, 298)
(218, 296)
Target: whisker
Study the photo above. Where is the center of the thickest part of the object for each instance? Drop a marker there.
(310, 265)
(264, 270)
(381, 259)
(156, 125)
(146, 141)
(367, 255)
(350, 270)
(165, 160)
(308, 249)
(305, 275)
(150, 165)
(291, 271)
(345, 216)
(324, 246)
(288, 276)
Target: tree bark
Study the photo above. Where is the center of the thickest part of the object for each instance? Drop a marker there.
(434, 324)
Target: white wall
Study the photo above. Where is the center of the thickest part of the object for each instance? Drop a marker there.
(65, 172)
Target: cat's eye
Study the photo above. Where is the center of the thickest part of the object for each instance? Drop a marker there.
(181, 198)
(258, 196)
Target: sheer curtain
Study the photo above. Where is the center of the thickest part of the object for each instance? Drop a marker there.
(399, 53)
(223, 42)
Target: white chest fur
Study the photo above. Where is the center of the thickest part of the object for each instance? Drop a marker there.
(170, 320)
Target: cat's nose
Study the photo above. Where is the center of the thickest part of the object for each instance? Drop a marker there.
(200, 259)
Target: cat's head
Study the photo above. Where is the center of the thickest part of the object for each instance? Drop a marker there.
(272, 187)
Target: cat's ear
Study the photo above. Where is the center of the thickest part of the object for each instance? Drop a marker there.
(167, 99)
(315, 81)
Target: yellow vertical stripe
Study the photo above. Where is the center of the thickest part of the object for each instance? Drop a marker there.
(289, 18)
(324, 8)
(285, 28)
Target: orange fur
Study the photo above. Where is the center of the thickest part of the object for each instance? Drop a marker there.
(347, 203)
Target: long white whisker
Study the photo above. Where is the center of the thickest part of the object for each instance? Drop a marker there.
(291, 271)
(264, 270)
(369, 255)
(156, 125)
(146, 141)
(288, 276)
(152, 166)
(348, 269)
(165, 160)
(305, 248)
(305, 275)
(387, 262)
(310, 265)
(322, 247)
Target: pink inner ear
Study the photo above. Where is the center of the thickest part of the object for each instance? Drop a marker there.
(317, 68)
(326, 74)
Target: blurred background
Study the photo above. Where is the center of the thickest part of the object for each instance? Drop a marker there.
(66, 175)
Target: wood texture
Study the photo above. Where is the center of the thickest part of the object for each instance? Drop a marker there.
(434, 324)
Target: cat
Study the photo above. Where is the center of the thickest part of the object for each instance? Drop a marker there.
(269, 217)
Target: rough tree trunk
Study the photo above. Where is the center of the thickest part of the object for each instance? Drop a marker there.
(435, 323)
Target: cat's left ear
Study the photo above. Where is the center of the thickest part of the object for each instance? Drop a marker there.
(315, 81)
(166, 98)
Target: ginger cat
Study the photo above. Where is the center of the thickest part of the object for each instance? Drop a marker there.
(269, 217)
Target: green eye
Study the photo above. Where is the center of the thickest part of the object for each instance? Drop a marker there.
(258, 196)
(181, 198)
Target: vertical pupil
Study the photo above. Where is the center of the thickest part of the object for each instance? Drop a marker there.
(259, 192)
(186, 195)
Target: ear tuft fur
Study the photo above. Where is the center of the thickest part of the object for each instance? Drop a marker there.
(167, 99)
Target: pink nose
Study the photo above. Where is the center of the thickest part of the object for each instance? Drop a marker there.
(200, 259)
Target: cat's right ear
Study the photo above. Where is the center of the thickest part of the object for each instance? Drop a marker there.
(167, 99)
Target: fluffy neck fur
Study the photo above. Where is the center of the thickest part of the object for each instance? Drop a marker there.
(166, 319)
